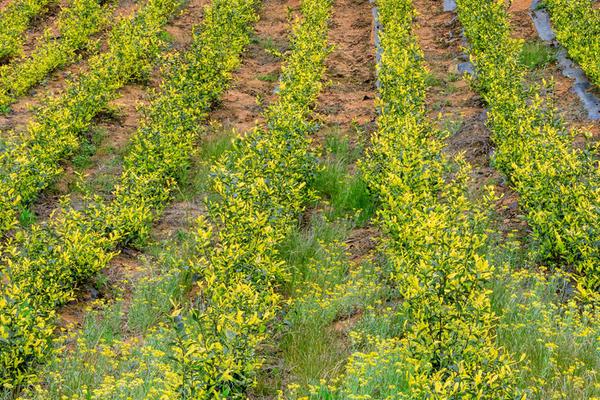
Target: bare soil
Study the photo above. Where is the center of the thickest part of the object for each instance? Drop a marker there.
(349, 97)
(254, 83)
(46, 21)
(520, 20)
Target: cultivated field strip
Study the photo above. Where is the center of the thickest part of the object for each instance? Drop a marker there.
(14, 21)
(577, 27)
(262, 190)
(434, 239)
(212, 350)
(559, 185)
(43, 266)
(31, 162)
(76, 24)
(254, 83)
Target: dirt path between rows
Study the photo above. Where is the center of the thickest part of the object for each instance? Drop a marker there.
(462, 110)
(254, 83)
(47, 20)
(349, 98)
(347, 104)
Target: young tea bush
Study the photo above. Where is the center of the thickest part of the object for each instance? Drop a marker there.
(14, 21)
(577, 27)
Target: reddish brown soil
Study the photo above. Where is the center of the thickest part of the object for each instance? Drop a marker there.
(362, 243)
(520, 20)
(344, 326)
(348, 101)
(349, 97)
(438, 34)
(180, 29)
(179, 216)
(255, 81)
(566, 101)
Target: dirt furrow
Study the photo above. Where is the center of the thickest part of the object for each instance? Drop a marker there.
(348, 100)
(461, 109)
(347, 104)
(254, 83)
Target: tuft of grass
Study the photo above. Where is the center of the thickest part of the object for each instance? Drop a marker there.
(345, 190)
(440, 104)
(453, 77)
(268, 45)
(301, 248)
(27, 217)
(311, 349)
(153, 299)
(432, 80)
(272, 77)
(451, 125)
(536, 54)
(327, 292)
(194, 182)
(83, 158)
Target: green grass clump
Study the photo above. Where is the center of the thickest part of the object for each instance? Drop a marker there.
(536, 54)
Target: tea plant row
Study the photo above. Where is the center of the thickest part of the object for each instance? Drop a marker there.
(577, 27)
(558, 184)
(14, 21)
